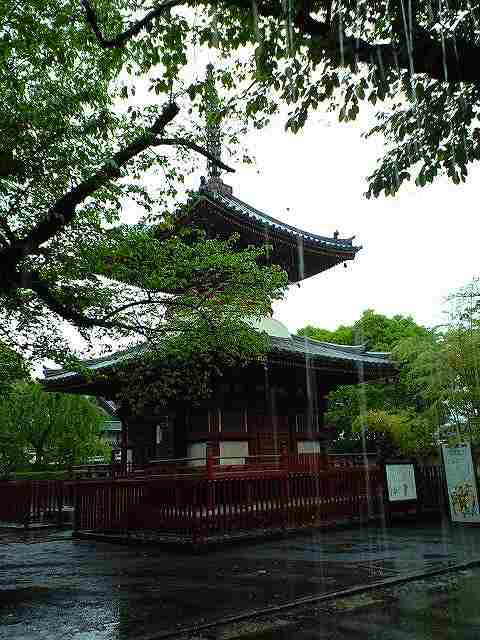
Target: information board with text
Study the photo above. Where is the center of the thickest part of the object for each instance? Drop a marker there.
(461, 483)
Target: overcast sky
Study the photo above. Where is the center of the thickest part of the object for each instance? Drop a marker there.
(417, 247)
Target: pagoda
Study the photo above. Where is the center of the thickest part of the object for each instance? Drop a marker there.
(260, 409)
(257, 410)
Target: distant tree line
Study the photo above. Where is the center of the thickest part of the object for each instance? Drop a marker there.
(42, 431)
(436, 395)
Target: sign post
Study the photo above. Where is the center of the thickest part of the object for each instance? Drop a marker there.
(462, 485)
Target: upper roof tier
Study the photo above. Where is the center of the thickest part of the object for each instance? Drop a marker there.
(300, 253)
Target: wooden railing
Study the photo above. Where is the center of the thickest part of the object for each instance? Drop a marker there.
(214, 466)
(199, 506)
(258, 497)
(28, 501)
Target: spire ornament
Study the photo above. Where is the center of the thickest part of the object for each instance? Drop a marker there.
(212, 113)
(213, 134)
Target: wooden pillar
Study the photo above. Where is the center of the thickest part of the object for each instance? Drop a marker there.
(124, 443)
(179, 433)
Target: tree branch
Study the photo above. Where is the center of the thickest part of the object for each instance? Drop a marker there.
(452, 61)
(122, 38)
(129, 305)
(184, 142)
(69, 312)
(63, 211)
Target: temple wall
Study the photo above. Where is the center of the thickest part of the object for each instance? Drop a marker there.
(249, 414)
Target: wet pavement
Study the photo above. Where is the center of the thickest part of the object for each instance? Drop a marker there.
(53, 587)
(445, 608)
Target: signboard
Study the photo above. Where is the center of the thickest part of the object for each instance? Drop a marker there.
(401, 482)
(461, 483)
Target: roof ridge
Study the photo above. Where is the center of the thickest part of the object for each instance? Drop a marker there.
(349, 348)
(344, 243)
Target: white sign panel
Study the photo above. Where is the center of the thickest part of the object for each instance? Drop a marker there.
(461, 483)
(401, 482)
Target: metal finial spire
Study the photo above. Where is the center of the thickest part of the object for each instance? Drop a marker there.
(212, 113)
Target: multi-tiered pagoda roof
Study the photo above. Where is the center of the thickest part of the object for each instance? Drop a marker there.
(302, 254)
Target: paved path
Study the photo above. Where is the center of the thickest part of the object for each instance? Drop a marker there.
(445, 608)
(52, 587)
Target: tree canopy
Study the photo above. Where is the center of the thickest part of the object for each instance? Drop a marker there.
(378, 415)
(73, 153)
(374, 330)
(436, 395)
(415, 62)
(13, 367)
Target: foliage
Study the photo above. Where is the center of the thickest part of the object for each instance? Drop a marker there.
(75, 149)
(13, 448)
(374, 330)
(405, 432)
(391, 398)
(186, 366)
(13, 367)
(341, 335)
(436, 394)
(48, 428)
(446, 376)
(415, 62)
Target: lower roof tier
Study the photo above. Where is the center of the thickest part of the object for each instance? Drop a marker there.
(347, 364)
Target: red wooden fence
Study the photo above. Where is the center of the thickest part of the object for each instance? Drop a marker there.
(198, 507)
(28, 501)
(213, 466)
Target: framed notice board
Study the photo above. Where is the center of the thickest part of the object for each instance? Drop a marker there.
(401, 497)
(401, 483)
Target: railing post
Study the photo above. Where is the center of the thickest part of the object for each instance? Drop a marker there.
(27, 516)
(112, 464)
(210, 467)
(210, 474)
(284, 466)
(76, 508)
(60, 495)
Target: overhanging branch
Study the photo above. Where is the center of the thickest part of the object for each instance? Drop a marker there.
(63, 210)
(452, 61)
(184, 142)
(122, 38)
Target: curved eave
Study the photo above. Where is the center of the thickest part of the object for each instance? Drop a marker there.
(235, 205)
(350, 372)
(352, 362)
(300, 253)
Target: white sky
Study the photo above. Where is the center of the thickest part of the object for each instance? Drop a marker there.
(417, 247)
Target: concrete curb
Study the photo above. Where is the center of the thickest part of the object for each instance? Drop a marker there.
(183, 632)
(184, 544)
